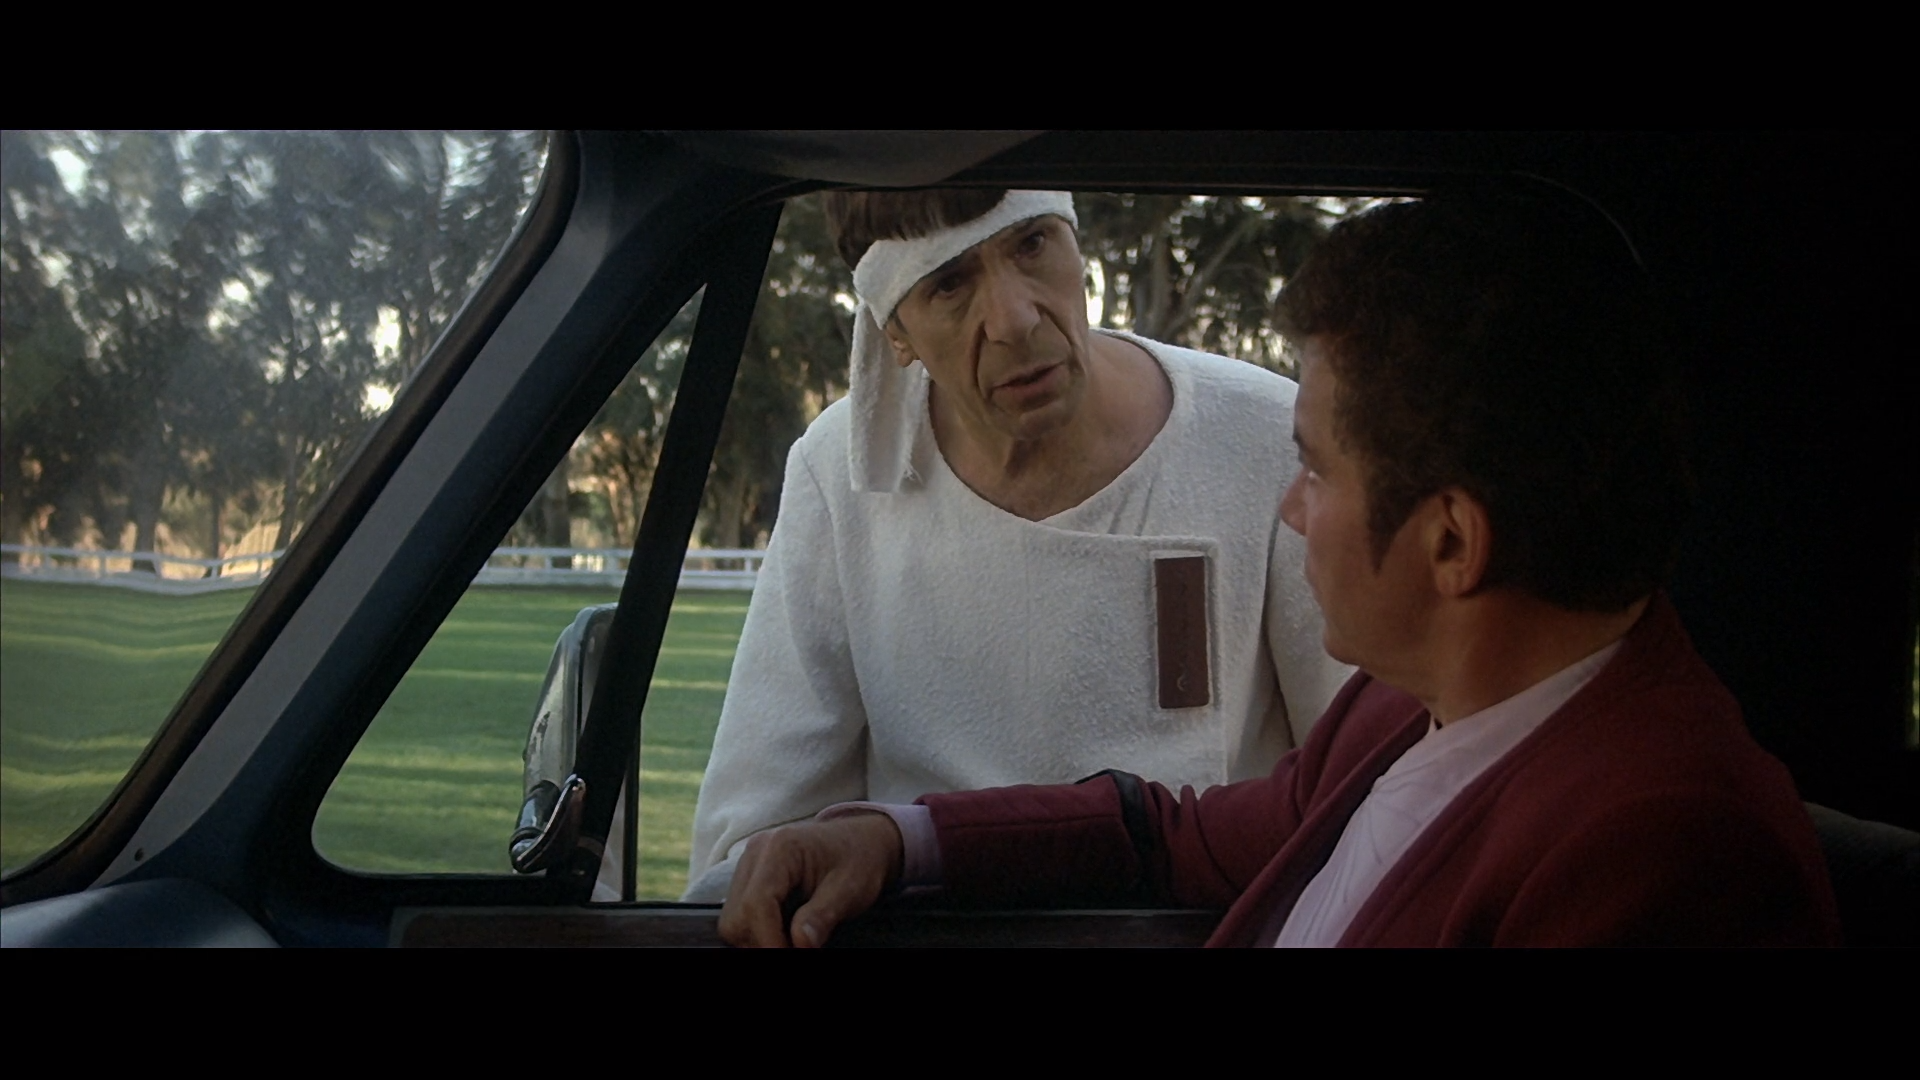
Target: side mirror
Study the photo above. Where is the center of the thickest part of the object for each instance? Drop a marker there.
(550, 814)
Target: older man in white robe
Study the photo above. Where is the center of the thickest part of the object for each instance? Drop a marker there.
(1019, 551)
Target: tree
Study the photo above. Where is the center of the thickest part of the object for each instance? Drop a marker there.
(308, 304)
(356, 230)
(794, 363)
(621, 446)
(1199, 272)
(145, 250)
(222, 313)
(217, 313)
(44, 384)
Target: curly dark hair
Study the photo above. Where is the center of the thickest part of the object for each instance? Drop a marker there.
(858, 218)
(1501, 341)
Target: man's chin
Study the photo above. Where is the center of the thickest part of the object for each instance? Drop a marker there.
(1337, 649)
(1040, 418)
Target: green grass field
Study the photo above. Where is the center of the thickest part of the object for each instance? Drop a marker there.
(88, 673)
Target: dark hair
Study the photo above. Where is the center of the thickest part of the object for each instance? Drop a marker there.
(858, 218)
(1501, 342)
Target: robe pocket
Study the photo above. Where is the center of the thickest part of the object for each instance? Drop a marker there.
(1183, 628)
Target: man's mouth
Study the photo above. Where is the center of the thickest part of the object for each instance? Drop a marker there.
(1027, 378)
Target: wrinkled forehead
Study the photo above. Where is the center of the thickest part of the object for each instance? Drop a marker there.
(891, 268)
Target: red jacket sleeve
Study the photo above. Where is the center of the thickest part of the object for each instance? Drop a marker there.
(1116, 839)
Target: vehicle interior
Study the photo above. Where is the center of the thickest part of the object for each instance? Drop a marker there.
(1799, 579)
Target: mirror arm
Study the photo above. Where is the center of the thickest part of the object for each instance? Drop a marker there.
(549, 824)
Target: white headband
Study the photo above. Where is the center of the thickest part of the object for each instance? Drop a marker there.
(890, 402)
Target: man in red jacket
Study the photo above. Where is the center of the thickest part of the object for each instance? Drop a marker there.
(1532, 754)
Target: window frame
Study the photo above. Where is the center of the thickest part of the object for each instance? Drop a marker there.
(304, 903)
(87, 851)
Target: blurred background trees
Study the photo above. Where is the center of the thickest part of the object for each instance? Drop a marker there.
(196, 330)
(199, 328)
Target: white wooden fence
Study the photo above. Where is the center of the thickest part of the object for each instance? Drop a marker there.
(704, 568)
(149, 571)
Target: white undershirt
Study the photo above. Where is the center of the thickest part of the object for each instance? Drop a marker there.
(1413, 792)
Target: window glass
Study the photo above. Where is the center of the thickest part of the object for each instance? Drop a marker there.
(1197, 271)
(437, 783)
(199, 327)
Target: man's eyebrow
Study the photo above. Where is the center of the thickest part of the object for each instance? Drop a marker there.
(946, 267)
(1013, 231)
(954, 263)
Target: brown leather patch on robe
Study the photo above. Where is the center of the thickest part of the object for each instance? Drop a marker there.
(1180, 609)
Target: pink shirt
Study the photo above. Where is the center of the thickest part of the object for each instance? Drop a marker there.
(921, 866)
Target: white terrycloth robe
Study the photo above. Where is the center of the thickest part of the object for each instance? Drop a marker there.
(926, 640)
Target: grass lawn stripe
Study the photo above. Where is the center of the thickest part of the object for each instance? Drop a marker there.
(87, 673)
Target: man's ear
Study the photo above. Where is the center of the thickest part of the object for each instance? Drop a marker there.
(1459, 542)
(903, 353)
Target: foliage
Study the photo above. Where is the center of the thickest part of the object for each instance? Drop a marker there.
(213, 313)
(794, 364)
(618, 451)
(1201, 272)
(199, 328)
(44, 392)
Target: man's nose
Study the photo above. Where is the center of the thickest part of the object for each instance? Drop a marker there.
(1293, 506)
(1009, 307)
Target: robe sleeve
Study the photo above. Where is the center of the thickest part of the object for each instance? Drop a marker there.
(792, 737)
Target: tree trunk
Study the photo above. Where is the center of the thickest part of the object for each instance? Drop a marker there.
(214, 500)
(1111, 273)
(554, 521)
(729, 506)
(1153, 287)
(109, 516)
(143, 498)
(289, 499)
(12, 524)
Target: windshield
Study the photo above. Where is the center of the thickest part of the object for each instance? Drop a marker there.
(200, 328)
